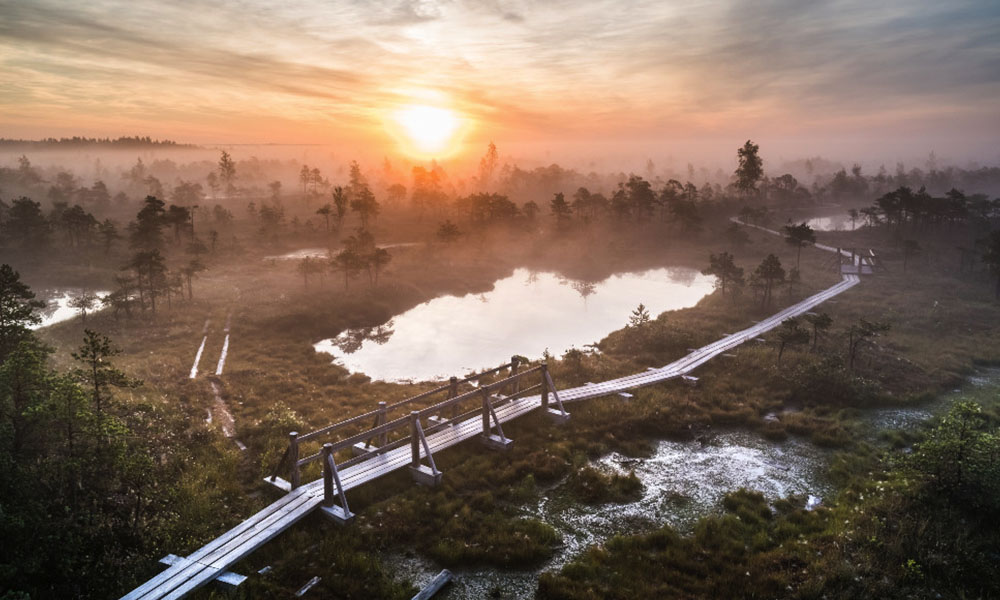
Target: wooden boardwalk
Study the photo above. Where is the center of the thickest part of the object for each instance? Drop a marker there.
(215, 558)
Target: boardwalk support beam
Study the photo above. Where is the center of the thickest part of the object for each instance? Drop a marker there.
(331, 478)
(422, 474)
(496, 441)
(291, 458)
(558, 416)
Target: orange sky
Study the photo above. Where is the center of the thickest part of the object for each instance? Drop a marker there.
(685, 76)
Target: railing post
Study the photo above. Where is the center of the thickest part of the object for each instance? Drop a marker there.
(293, 456)
(383, 438)
(452, 392)
(327, 475)
(516, 386)
(545, 386)
(486, 412)
(414, 440)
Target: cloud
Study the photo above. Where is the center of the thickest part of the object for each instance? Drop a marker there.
(639, 68)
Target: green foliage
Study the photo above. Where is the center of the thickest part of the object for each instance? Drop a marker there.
(725, 270)
(960, 459)
(17, 310)
(639, 316)
(98, 373)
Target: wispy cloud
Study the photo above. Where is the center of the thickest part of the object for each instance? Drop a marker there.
(556, 68)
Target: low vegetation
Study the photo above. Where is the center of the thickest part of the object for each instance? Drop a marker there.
(121, 473)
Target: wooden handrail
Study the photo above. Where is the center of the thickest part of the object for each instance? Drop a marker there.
(334, 427)
(381, 431)
(430, 410)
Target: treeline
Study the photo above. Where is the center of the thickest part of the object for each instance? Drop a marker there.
(903, 206)
(76, 141)
(148, 271)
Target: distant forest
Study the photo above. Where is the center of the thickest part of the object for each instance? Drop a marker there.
(76, 141)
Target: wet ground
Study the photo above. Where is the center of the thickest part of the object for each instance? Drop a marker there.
(682, 482)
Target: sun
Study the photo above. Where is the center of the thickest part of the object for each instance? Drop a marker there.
(428, 129)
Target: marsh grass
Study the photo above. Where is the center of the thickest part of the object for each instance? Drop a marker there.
(275, 382)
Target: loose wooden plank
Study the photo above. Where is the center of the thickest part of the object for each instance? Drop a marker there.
(440, 580)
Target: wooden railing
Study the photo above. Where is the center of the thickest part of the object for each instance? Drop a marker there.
(410, 429)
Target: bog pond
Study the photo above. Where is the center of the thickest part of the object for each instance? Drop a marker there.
(682, 481)
(526, 313)
(57, 305)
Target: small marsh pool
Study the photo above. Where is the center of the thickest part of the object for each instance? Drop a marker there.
(57, 308)
(526, 313)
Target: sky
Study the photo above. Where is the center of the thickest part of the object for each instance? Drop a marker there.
(805, 77)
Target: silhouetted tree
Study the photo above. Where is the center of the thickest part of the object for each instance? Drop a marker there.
(560, 209)
(98, 373)
(820, 322)
(227, 172)
(487, 165)
(750, 169)
(639, 317)
(448, 232)
(17, 310)
(530, 210)
(862, 332)
(307, 267)
(146, 231)
(641, 197)
(790, 333)
(82, 303)
(26, 225)
(799, 236)
(853, 214)
(340, 202)
(325, 210)
(109, 234)
(769, 272)
(364, 203)
(725, 271)
(178, 217)
(349, 262)
(189, 271)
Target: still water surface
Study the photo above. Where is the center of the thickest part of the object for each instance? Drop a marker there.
(526, 314)
(57, 308)
(833, 223)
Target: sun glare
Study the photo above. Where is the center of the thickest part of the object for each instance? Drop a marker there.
(429, 129)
